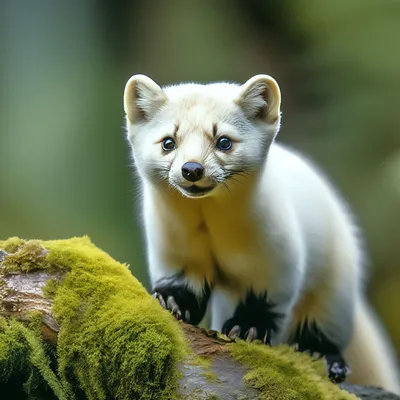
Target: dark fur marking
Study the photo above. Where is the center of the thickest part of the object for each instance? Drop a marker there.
(215, 130)
(309, 337)
(180, 299)
(175, 131)
(254, 318)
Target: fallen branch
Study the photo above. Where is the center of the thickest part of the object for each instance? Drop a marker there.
(43, 278)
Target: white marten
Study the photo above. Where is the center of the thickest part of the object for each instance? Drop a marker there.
(247, 228)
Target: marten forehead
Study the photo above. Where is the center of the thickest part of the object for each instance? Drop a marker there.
(193, 113)
(189, 97)
(200, 103)
(195, 117)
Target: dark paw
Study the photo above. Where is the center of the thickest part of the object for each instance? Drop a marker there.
(308, 337)
(174, 295)
(169, 303)
(234, 328)
(254, 319)
(337, 368)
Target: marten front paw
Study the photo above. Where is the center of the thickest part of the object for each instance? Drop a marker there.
(253, 319)
(169, 303)
(174, 295)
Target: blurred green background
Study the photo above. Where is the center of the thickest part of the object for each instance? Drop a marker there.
(65, 168)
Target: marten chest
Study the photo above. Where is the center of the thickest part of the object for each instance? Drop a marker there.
(225, 249)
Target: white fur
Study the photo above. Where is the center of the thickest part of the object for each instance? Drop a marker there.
(277, 227)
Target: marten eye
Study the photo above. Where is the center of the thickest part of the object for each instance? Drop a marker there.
(224, 143)
(168, 144)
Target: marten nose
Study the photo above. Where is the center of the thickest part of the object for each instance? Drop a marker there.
(192, 171)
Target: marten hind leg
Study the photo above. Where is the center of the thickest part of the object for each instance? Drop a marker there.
(322, 324)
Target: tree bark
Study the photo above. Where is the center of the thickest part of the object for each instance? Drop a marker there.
(21, 293)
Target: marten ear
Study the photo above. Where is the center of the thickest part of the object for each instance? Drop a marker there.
(260, 98)
(142, 98)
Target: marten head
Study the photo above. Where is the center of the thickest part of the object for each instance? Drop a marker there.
(198, 138)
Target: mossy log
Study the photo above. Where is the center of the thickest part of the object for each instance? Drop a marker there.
(75, 324)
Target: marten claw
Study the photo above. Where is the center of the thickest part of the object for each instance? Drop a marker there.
(251, 334)
(174, 308)
(267, 337)
(160, 299)
(234, 332)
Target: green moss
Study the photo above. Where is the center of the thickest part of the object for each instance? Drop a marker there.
(51, 287)
(11, 245)
(281, 373)
(27, 256)
(114, 341)
(204, 362)
(23, 358)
